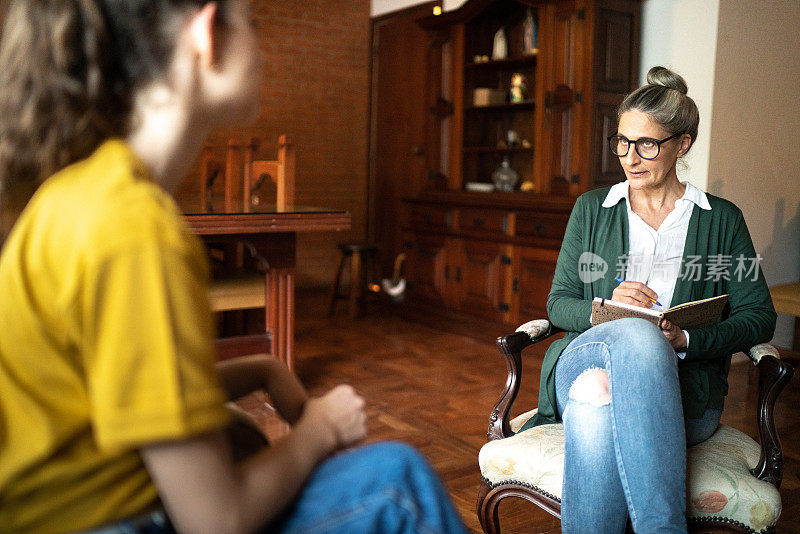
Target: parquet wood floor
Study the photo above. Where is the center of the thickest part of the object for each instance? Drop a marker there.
(435, 390)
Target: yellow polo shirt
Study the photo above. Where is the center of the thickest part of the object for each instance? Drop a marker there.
(106, 344)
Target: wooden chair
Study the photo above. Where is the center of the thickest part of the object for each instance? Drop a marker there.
(235, 288)
(732, 482)
(280, 171)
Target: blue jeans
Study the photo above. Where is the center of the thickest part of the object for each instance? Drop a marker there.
(626, 457)
(380, 488)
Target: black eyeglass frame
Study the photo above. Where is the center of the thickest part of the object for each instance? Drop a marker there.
(635, 143)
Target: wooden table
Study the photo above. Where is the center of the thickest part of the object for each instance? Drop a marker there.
(273, 235)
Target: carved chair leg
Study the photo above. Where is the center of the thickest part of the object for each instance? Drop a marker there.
(488, 504)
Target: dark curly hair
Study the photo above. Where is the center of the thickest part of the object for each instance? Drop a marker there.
(69, 70)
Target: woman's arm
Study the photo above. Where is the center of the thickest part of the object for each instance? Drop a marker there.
(241, 376)
(204, 491)
(566, 307)
(752, 316)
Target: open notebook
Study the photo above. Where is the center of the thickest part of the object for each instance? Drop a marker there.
(695, 314)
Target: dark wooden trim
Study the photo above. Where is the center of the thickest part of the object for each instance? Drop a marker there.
(511, 347)
(489, 499)
(774, 374)
(500, 200)
(465, 13)
(259, 223)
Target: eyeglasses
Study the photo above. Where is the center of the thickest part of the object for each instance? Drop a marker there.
(646, 147)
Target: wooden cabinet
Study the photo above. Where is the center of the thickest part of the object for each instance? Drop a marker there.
(492, 254)
(586, 60)
(490, 257)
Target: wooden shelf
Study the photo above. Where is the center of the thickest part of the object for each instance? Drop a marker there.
(495, 149)
(525, 104)
(528, 60)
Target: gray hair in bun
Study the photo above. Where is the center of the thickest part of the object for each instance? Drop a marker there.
(665, 101)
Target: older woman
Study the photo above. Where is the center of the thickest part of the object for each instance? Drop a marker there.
(632, 395)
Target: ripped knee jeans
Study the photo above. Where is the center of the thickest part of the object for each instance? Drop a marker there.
(619, 397)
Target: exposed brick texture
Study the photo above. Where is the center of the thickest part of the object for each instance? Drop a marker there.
(316, 90)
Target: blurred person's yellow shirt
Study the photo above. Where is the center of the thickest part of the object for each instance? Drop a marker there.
(106, 344)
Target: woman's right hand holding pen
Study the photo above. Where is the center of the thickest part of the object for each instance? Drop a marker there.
(635, 293)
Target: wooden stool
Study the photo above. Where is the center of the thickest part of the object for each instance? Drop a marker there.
(362, 256)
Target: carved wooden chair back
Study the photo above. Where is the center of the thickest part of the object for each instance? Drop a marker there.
(234, 286)
(229, 171)
(280, 171)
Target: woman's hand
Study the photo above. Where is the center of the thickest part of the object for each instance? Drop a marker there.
(635, 293)
(674, 335)
(339, 414)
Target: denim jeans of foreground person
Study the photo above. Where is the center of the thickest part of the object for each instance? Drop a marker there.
(376, 489)
(628, 456)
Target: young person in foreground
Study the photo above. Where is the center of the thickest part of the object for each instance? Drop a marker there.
(110, 405)
(632, 395)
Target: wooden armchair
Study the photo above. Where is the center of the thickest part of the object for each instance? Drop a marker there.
(732, 482)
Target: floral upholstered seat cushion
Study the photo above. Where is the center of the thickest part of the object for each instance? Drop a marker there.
(720, 484)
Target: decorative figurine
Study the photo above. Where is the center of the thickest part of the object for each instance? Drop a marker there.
(530, 34)
(500, 48)
(504, 177)
(519, 90)
(512, 139)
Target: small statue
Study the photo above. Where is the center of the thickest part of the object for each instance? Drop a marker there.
(519, 90)
(500, 48)
(530, 33)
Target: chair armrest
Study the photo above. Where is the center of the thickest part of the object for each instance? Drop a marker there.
(773, 375)
(511, 346)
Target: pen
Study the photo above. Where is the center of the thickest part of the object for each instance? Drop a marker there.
(620, 280)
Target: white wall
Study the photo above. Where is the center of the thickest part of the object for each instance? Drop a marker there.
(381, 7)
(682, 35)
(755, 156)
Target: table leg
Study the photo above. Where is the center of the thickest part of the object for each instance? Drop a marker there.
(280, 313)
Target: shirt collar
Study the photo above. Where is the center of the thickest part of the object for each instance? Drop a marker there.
(619, 191)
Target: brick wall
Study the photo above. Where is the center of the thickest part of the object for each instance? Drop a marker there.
(316, 90)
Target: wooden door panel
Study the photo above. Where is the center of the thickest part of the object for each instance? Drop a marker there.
(614, 55)
(482, 273)
(609, 170)
(533, 275)
(425, 268)
(560, 96)
(398, 129)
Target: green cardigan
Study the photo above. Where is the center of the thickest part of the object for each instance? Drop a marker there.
(750, 320)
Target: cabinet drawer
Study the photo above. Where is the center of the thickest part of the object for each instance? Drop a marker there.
(541, 226)
(483, 221)
(429, 218)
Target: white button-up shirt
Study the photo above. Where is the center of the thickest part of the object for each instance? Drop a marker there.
(654, 256)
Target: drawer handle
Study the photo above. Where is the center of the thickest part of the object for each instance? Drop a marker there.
(540, 229)
(477, 221)
(427, 217)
